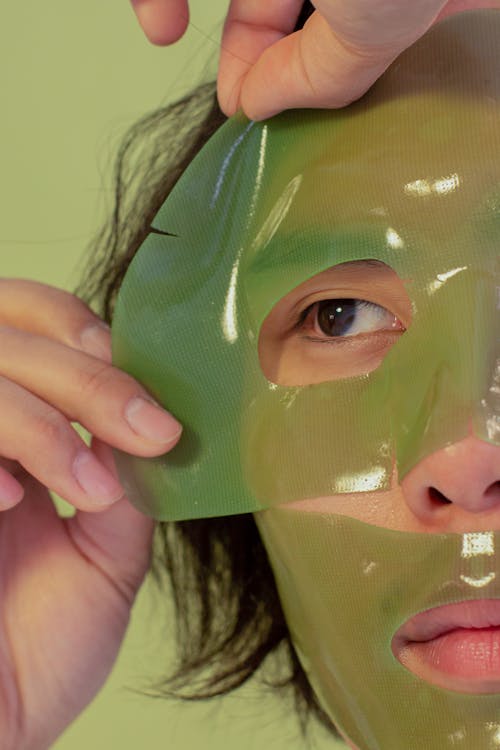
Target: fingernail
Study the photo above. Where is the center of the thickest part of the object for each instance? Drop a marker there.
(96, 340)
(11, 491)
(95, 480)
(151, 421)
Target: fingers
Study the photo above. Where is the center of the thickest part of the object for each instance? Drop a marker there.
(163, 21)
(365, 26)
(42, 440)
(46, 384)
(342, 49)
(59, 315)
(250, 27)
(120, 536)
(310, 68)
(106, 401)
(11, 491)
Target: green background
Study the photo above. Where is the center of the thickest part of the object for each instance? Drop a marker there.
(74, 75)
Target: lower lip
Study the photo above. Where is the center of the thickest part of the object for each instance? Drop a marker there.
(464, 660)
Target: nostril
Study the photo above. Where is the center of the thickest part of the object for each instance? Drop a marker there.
(437, 498)
(493, 492)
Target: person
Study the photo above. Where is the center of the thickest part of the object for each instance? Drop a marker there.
(329, 327)
(59, 370)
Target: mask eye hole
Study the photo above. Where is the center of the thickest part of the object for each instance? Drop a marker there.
(338, 324)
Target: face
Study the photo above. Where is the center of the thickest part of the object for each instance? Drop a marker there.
(341, 288)
(411, 330)
(423, 559)
(421, 629)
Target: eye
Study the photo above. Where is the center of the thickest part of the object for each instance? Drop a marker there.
(339, 324)
(336, 318)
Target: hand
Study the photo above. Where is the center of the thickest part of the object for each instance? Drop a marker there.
(341, 51)
(66, 585)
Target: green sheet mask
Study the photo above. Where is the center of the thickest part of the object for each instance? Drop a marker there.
(408, 176)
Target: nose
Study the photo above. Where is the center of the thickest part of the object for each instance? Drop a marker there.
(464, 476)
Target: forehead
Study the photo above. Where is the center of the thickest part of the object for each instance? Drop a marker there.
(419, 152)
(397, 181)
(400, 182)
(408, 159)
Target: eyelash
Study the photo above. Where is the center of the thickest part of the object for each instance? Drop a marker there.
(352, 306)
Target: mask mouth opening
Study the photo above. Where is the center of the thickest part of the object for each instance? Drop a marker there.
(455, 646)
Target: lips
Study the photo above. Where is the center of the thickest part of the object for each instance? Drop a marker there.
(456, 646)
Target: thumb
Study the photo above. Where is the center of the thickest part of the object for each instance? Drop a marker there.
(311, 68)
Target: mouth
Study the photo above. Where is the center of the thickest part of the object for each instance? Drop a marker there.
(456, 646)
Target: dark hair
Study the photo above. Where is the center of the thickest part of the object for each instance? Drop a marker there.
(228, 615)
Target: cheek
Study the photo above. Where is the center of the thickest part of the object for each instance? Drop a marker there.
(297, 361)
(386, 509)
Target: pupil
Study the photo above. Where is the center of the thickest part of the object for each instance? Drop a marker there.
(336, 316)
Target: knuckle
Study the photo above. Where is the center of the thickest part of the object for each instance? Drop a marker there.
(51, 427)
(98, 379)
(59, 297)
(5, 330)
(79, 308)
(77, 314)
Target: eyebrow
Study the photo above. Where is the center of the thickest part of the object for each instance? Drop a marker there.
(370, 262)
(362, 266)
(287, 261)
(317, 251)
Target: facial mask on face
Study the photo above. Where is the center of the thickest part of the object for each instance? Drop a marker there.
(408, 176)
(346, 588)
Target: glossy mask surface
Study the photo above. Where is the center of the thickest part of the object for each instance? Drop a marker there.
(346, 587)
(408, 176)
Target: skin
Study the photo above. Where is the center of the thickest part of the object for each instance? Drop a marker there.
(342, 49)
(56, 373)
(75, 578)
